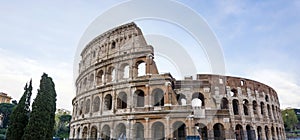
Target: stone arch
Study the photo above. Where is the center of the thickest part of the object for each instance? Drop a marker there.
(105, 132)
(85, 83)
(202, 130)
(267, 132)
(273, 112)
(259, 133)
(124, 71)
(113, 44)
(245, 107)
(108, 102)
(277, 132)
(84, 133)
(138, 131)
(179, 130)
(254, 107)
(273, 132)
(267, 98)
(94, 132)
(141, 68)
(100, 77)
(96, 104)
(262, 108)
(78, 133)
(250, 132)
(233, 92)
(235, 106)
(239, 132)
(120, 131)
(158, 97)
(111, 74)
(224, 103)
(198, 99)
(87, 106)
(139, 98)
(158, 131)
(181, 99)
(219, 131)
(122, 100)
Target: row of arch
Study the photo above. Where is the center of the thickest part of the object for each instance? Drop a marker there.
(157, 98)
(272, 111)
(158, 131)
(111, 74)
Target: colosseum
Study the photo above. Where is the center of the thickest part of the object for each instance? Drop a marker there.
(121, 95)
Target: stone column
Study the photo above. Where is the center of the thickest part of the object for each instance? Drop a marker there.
(146, 131)
(147, 96)
(167, 134)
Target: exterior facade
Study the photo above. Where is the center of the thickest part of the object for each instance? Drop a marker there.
(120, 94)
(4, 98)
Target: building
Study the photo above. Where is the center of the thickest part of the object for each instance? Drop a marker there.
(62, 111)
(115, 99)
(4, 98)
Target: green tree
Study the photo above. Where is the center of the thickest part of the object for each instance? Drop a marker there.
(289, 118)
(41, 122)
(5, 110)
(63, 125)
(20, 115)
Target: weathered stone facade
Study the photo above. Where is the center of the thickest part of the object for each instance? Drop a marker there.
(121, 94)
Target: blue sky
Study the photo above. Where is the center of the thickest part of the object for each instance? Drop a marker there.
(259, 40)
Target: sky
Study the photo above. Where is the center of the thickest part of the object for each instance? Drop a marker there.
(259, 41)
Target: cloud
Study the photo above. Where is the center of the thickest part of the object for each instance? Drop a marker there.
(285, 84)
(17, 70)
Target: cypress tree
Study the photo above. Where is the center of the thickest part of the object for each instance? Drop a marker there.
(20, 115)
(42, 117)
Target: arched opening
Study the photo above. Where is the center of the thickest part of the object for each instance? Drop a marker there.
(158, 97)
(224, 103)
(250, 132)
(113, 44)
(122, 100)
(219, 132)
(111, 74)
(85, 83)
(267, 98)
(267, 132)
(139, 97)
(254, 106)
(141, 68)
(105, 133)
(158, 131)
(78, 133)
(108, 102)
(84, 133)
(259, 133)
(277, 132)
(273, 132)
(202, 131)
(235, 106)
(139, 131)
(273, 112)
(262, 108)
(124, 71)
(96, 104)
(120, 132)
(179, 131)
(100, 77)
(233, 92)
(239, 132)
(245, 107)
(94, 133)
(87, 106)
(181, 99)
(198, 99)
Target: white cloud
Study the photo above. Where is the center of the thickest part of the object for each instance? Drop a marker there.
(17, 70)
(285, 85)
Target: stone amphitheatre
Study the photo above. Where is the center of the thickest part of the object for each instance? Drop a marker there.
(120, 94)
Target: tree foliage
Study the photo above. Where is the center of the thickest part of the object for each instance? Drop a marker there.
(20, 115)
(289, 118)
(5, 110)
(63, 125)
(42, 117)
